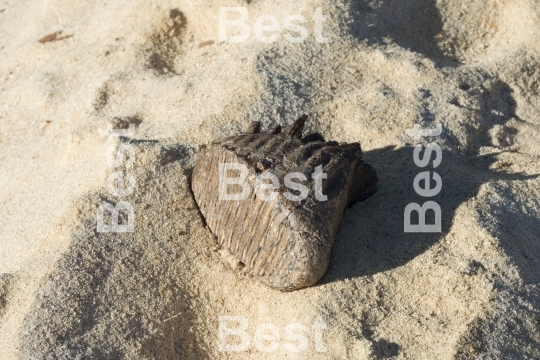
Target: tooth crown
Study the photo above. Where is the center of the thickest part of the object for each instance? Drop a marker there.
(285, 243)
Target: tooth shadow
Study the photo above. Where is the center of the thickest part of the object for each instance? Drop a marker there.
(371, 237)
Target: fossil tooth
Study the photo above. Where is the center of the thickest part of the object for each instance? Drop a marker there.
(298, 126)
(274, 128)
(254, 128)
(283, 235)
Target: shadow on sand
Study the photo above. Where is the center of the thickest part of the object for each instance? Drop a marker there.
(371, 237)
(411, 24)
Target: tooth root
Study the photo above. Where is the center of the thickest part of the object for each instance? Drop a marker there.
(298, 126)
(254, 128)
(273, 129)
(312, 137)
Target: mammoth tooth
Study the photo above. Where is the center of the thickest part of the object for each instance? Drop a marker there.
(283, 234)
(274, 128)
(254, 128)
(298, 126)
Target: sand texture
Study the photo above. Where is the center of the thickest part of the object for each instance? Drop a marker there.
(68, 291)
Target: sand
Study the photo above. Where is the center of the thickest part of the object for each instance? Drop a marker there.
(68, 291)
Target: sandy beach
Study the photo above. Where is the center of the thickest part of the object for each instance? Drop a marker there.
(80, 80)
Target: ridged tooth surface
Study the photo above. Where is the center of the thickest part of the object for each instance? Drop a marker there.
(284, 243)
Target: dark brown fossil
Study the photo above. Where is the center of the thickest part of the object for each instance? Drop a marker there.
(283, 241)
